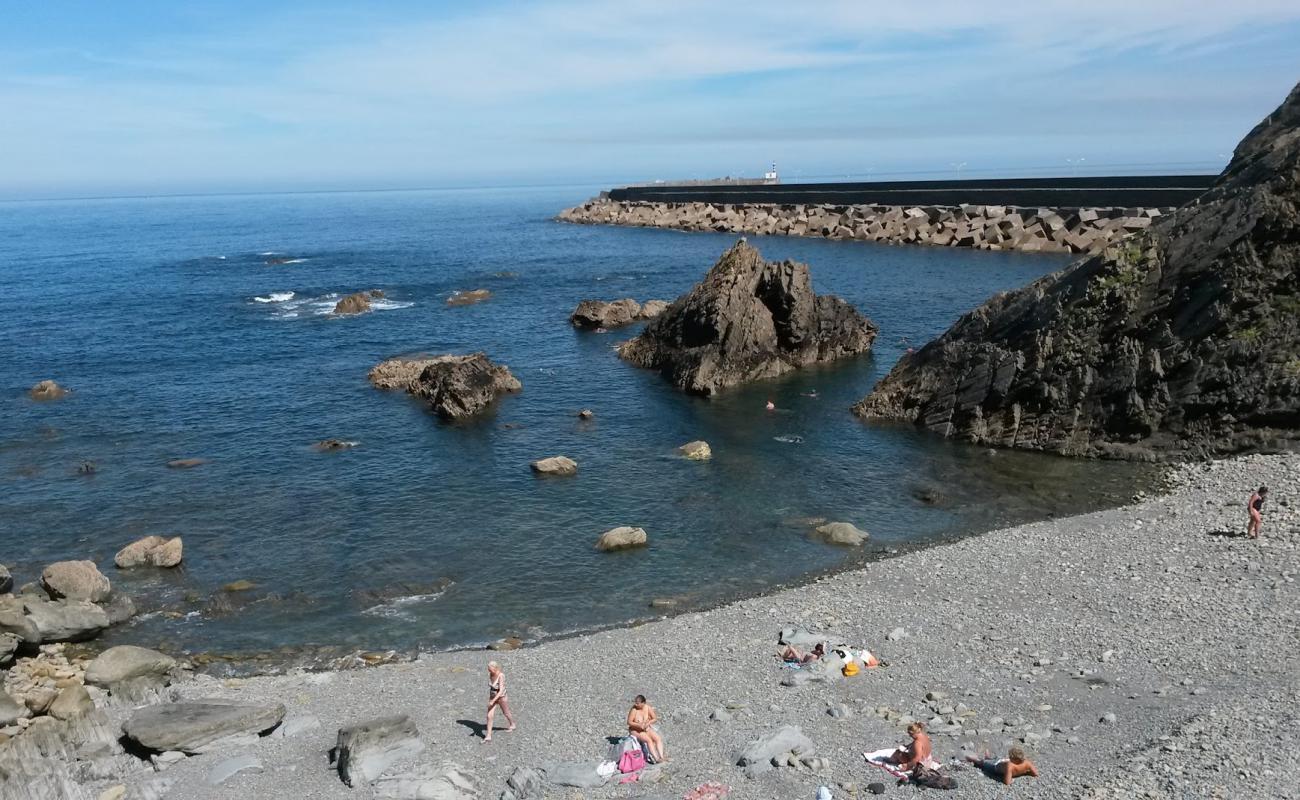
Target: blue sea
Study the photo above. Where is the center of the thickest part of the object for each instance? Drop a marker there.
(198, 327)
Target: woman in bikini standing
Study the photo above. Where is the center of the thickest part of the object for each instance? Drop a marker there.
(640, 723)
(497, 697)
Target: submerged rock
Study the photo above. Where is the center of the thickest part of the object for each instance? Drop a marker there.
(455, 387)
(153, 551)
(47, 390)
(621, 539)
(357, 303)
(747, 320)
(468, 298)
(1180, 340)
(186, 463)
(333, 445)
(696, 451)
(840, 533)
(555, 465)
(76, 580)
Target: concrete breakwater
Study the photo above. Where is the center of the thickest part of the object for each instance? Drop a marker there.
(985, 227)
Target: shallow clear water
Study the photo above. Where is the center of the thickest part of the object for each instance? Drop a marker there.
(180, 340)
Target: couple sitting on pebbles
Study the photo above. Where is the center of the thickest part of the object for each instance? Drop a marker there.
(916, 761)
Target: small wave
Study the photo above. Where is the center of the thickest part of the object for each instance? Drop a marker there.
(267, 253)
(389, 305)
(280, 261)
(789, 438)
(398, 607)
(274, 297)
(221, 258)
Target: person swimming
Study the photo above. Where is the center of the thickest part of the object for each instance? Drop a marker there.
(771, 406)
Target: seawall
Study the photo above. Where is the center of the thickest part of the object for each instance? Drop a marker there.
(1063, 215)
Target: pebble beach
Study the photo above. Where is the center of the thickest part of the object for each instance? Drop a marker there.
(1141, 651)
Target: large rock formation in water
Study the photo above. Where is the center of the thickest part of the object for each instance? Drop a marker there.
(1183, 340)
(748, 319)
(454, 387)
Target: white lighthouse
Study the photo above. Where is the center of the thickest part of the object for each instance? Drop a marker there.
(771, 176)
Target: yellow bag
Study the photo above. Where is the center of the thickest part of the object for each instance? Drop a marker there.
(850, 669)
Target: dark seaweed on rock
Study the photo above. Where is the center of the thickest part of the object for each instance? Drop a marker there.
(748, 319)
(1179, 341)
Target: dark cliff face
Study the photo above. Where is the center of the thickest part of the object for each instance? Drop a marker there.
(1180, 341)
(748, 319)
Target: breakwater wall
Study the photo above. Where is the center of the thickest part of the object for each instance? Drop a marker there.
(1044, 230)
(1053, 215)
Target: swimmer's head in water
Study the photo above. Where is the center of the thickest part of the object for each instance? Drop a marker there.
(1016, 754)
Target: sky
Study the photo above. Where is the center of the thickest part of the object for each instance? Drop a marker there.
(130, 97)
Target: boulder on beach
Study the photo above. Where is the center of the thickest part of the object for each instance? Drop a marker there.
(1180, 340)
(605, 314)
(459, 387)
(696, 451)
(72, 702)
(47, 390)
(468, 298)
(155, 551)
(75, 580)
(186, 463)
(64, 620)
(555, 465)
(784, 740)
(356, 303)
(365, 751)
(842, 533)
(14, 621)
(621, 539)
(193, 727)
(127, 662)
(747, 320)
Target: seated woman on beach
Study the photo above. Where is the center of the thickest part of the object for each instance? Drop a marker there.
(641, 724)
(793, 655)
(1015, 765)
(902, 760)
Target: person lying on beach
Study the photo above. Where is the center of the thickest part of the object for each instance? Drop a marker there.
(1015, 765)
(496, 698)
(793, 655)
(641, 724)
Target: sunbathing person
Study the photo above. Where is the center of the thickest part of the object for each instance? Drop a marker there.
(1015, 765)
(793, 655)
(917, 752)
(641, 724)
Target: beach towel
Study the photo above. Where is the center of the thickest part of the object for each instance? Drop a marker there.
(880, 758)
(712, 790)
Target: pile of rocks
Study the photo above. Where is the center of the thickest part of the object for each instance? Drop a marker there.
(984, 227)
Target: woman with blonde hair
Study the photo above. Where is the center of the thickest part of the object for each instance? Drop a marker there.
(497, 697)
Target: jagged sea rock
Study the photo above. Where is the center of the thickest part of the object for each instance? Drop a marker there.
(1182, 340)
(364, 751)
(621, 539)
(75, 580)
(454, 387)
(605, 314)
(747, 320)
(696, 451)
(357, 303)
(194, 727)
(155, 551)
(561, 466)
(47, 390)
(126, 662)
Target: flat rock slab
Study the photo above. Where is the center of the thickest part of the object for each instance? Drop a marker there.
(555, 465)
(448, 782)
(66, 621)
(574, 773)
(190, 727)
(364, 751)
(225, 770)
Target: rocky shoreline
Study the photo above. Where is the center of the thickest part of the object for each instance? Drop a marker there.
(982, 227)
(1141, 651)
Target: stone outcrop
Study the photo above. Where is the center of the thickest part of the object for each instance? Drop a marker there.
(196, 727)
(594, 314)
(363, 752)
(154, 551)
(696, 451)
(842, 533)
(621, 539)
(1183, 340)
(555, 465)
(747, 320)
(357, 303)
(468, 298)
(75, 580)
(454, 387)
(983, 227)
(47, 390)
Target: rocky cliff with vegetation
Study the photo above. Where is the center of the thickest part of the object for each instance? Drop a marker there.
(1181, 340)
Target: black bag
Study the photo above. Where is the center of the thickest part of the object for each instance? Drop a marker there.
(932, 778)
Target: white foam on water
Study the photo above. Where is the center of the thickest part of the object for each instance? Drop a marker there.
(399, 607)
(274, 297)
(789, 438)
(389, 305)
(267, 253)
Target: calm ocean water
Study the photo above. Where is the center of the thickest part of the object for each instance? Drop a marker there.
(180, 340)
